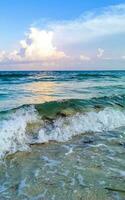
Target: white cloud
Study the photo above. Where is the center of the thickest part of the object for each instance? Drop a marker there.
(84, 57)
(37, 46)
(100, 52)
(2, 55)
(109, 22)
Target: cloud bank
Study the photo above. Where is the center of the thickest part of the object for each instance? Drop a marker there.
(63, 42)
(36, 46)
(108, 22)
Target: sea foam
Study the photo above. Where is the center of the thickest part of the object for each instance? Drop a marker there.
(64, 128)
(13, 128)
(13, 135)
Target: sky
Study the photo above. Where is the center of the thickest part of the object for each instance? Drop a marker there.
(62, 35)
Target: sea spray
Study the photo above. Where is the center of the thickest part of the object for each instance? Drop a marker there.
(13, 135)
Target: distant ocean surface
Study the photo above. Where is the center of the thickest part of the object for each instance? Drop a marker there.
(81, 112)
(19, 88)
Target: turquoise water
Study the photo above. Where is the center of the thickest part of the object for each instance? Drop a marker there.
(18, 88)
(62, 130)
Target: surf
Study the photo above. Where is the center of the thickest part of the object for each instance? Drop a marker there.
(57, 121)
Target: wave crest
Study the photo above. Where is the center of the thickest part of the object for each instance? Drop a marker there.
(64, 128)
(16, 126)
(13, 136)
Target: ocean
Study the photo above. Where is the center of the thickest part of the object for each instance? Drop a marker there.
(62, 135)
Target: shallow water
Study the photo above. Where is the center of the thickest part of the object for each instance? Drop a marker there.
(71, 147)
(90, 166)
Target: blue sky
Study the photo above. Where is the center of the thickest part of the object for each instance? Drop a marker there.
(53, 34)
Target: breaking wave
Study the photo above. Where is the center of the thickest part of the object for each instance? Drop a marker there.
(56, 121)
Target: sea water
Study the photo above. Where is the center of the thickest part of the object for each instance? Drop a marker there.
(62, 135)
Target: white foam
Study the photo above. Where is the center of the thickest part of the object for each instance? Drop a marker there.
(13, 136)
(64, 128)
(13, 130)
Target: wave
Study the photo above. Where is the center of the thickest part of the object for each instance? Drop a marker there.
(29, 76)
(62, 129)
(13, 125)
(70, 107)
(14, 74)
(56, 121)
